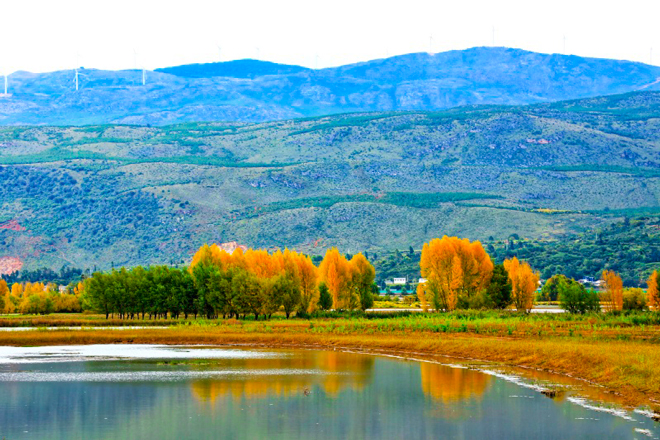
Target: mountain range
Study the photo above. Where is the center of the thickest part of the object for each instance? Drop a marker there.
(259, 91)
(109, 195)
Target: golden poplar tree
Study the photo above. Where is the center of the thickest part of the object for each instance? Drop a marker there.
(421, 295)
(335, 271)
(79, 289)
(455, 269)
(363, 275)
(5, 300)
(211, 255)
(262, 264)
(652, 291)
(612, 296)
(524, 282)
(17, 290)
(308, 280)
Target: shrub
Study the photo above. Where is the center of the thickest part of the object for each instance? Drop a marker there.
(634, 299)
(574, 298)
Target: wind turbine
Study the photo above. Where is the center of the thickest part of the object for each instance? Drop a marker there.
(77, 71)
(135, 62)
(76, 79)
(6, 85)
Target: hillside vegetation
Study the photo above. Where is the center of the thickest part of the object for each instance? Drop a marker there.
(123, 195)
(255, 91)
(629, 247)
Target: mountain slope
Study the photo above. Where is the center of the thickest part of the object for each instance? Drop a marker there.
(107, 194)
(255, 91)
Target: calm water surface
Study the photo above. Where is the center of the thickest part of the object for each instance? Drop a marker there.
(155, 392)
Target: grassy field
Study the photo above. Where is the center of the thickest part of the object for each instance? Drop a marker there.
(618, 352)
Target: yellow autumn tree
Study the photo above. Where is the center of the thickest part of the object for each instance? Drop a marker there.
(421, 295)
(612, 296)
(17, 290)
(262, 264)
(211, 255)
(79, 289)
(363, 275)
(456, 271)
(335, 271)
(6, 306)
(237, 259)
(524, 282)
(652, 291)
(308, 280)
(35, 299)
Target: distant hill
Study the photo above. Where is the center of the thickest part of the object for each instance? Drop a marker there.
(232, 69)
(124, 195)
(258, 91)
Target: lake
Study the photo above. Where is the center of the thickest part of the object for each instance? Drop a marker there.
(160, 392)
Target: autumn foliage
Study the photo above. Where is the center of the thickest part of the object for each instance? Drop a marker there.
(255, 282)
(612, 296)
(39, 298)
(524, 282)
(456, 270)
(349, 282)
(652, 291)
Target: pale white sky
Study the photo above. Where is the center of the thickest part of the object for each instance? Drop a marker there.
(46, 35)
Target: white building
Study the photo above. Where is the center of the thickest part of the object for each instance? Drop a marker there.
(397, 281)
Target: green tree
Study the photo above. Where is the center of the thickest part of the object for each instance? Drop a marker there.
(249, 293)
(202, 275)
(325, 299)
(574, 298)
(289, 292)
(186, 293)
(550, 290)
(140, 286)
(498, 291)
(98, 293)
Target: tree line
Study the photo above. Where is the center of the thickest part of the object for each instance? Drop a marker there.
(217, 283)
(39, 298)
(461, 275)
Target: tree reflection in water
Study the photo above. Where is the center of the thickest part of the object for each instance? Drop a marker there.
(334, 371)
(452, 384)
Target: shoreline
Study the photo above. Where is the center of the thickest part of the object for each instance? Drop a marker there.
(531, 358)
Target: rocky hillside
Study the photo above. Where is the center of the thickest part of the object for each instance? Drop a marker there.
(103, 195)
(256, 91)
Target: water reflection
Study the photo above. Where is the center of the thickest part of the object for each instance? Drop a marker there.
(336, 371)
(261, 395)
(452, 384)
